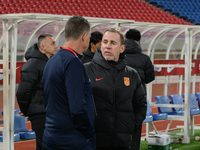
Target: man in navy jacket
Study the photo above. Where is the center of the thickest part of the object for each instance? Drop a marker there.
(69, 105)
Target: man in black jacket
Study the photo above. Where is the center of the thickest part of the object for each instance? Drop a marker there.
(95, 42)
(140, 62)
(118, 93)
(30, 95)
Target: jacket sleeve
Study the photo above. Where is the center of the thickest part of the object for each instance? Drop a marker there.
(74, 83)
(29, 76)
(149, 72)
(139, 103)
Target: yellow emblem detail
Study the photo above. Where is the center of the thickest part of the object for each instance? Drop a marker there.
(126, 81)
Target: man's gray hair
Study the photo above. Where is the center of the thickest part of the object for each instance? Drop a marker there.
(116, 31)
(75, 27)
(41, 38)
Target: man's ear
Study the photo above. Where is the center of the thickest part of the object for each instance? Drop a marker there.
(84, 36)
(42, 49)
(122, 48)
(92, 44)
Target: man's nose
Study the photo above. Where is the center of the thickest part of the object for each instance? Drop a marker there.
(108, 45)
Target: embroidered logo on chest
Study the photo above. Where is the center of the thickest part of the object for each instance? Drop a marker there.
(126, 81)
(98, 79)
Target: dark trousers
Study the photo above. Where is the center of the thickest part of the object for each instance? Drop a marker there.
(38, 126)
(136, 139)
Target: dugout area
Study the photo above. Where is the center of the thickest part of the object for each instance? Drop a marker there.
(172, 48)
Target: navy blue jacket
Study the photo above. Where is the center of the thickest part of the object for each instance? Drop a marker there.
(69, 105)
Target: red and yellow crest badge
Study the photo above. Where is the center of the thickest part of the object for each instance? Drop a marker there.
(126, 81)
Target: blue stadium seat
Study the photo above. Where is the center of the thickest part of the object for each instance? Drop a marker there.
(150, 117)
(175, 10)
(162, 116)
(167, 7)
(191, 17)
(183, 14)
(160, 3)
(198, 97)
(197, 22)
(16, 137)
(152, 1)
(21, 128)
(178, 100)
(164, 100)
(194, 110)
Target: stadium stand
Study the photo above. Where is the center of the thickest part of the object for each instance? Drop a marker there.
(138, 10)
(185, 9)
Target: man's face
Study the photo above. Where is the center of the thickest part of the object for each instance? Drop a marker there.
(95, 46)
(86, 41)
(111, 46)
(49, 46)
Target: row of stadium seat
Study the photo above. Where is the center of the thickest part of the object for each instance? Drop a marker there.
(187, 9)
(135, 10)
(175, 113)
(177, 99)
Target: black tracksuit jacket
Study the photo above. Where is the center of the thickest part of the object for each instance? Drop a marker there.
(30, 94)
(120, 101)
(139, 61)
(87, 56)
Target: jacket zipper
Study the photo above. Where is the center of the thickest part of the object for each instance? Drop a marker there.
(114, 106)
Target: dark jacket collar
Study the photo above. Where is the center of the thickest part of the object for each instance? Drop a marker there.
(99, 59)
(89, 53)
(132, 46)
(34, 52)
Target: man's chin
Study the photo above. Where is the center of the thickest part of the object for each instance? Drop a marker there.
(85, 50)
(109, 58)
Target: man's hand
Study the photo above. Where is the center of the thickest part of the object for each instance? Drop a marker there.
(21, 114)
